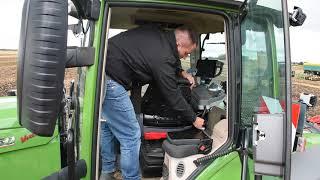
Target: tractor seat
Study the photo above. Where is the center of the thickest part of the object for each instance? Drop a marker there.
(186, 143)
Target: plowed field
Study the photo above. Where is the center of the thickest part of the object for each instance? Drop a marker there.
(8, 72)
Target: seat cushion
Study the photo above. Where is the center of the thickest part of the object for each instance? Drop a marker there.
(179, 151)
(191, 136)
(186, 143)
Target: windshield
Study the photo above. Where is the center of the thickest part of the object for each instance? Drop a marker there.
(214, 47)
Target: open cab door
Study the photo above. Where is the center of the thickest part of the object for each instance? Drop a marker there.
(265, 91)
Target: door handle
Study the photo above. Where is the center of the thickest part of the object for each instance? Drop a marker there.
(258, 134)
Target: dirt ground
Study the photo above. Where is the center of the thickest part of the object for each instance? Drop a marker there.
(8, 72)
(8, 69)
(299, 85)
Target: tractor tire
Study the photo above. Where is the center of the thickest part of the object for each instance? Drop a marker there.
(41, 64)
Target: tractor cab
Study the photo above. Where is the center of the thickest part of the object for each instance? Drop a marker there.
(241, 66)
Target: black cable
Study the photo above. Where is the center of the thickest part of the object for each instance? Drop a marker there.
(212, 157)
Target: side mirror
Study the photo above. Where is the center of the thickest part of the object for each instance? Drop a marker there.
(41, 64)
(297, 18)
(202, 45)
(309, 99)
(207, 36)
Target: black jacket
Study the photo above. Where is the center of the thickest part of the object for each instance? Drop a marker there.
(145, 55)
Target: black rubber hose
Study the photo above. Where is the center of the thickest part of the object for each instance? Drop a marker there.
(213, 156)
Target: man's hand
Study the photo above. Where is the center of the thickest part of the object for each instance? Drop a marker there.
(198, 123)
(189, 77)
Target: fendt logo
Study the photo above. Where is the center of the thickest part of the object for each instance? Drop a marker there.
(26, 137)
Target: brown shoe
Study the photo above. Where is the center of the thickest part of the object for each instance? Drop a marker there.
(106, 176)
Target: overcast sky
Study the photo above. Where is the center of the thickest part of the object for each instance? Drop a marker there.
(305, 40)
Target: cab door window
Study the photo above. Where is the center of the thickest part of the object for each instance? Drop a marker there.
(263, 60)
(264, 83)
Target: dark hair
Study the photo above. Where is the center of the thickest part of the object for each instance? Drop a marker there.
(192, 34)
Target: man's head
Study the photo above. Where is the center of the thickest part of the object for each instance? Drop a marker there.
(186, 40)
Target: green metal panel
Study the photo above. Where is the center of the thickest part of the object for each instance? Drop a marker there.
(28, 155)
(24, 139)
(227, 168)
(87, 105)
(33, 159)
(8, 113)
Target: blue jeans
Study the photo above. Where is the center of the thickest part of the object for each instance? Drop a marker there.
(121, 123)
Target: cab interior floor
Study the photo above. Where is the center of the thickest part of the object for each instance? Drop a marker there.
(219, 136)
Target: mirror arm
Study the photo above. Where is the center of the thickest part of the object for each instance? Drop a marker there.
(79, 56)
(87, 9)
(202, 45)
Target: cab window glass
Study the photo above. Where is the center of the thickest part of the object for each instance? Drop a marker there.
(263, 60)
(214, 47)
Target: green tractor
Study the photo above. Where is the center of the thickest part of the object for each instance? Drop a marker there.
(242, 66)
